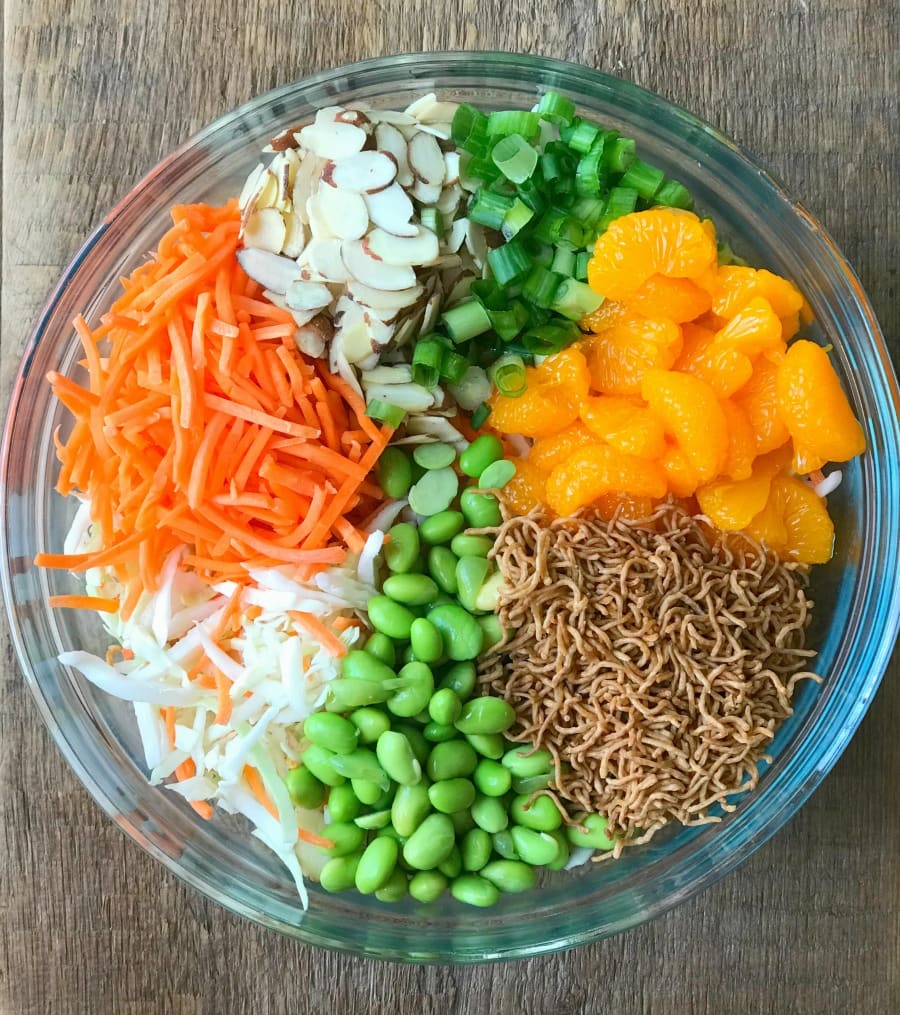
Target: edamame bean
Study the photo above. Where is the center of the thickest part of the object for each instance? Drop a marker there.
(475, 849)
(434, 456)
(480, 510)
(320, 762)
(371, 723)
(410, 808)
(488, 745)
(415, 683)
(462, 635)
(532, 784)
(524, 761)
(361, 764)
(431, 843)
(425, 641)
(394, 888)
(536, 848)
(305, 789)
(562, 857)
(390, 618)
(444, 707)
(339, 874)
(395, 755)
(481, 453)
(452, 865)
(485, 715)
(382, 647)
(331, 731)
(474, 891)
(343, 803)
(367, 792)
(376, 865)
(442, 567)
(596, 834)
(346, 837)
(462, 823)
(374, 820)
(539, 813)
(491, 778)
(392, 832)
(451, 795)
(454, 759)
(438, 733)
(408, 654)
(385, 799)
(510, 875)
(434, 492)
(465, 545)
(401, 551)
(504, 845)
(421, 747)
(471, 574)
(491, 629)
(359, 665)
(461, 679)
(496, 475)
(489, 814)
(394, 473)
(442, 527)
(410, 589)
(426, 886)
(344, 695)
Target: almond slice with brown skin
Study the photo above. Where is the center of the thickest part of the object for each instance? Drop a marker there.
(365, 172)
(391, 209)
(419, 249)
(343, 211)
(265, 230)
(271, 270)
(426, 159)
(307, 296)
(306, 180)
(390, 140)
(294, 236)
(322, 256)
(369, 269)
(381, 302)
(333, 140)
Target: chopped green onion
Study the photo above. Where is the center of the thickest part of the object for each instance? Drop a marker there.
(509, 321)
(563, 261)
(469, 125)
(529, 193)
(508, 375)
(517, 217)
(489, 209)
(453, 367)
(728, 256)
(549, 338)
(539, 252)
(540, 286)
(581, 265)
(508, 263)
(646, 180)
(551, 167)
(514, 121)
(426, 362)
(432, 219)
(620, 154)
(514, 157)
(555, 108)
(580, 135)
(480, 415)
(588, 175)
(673, 194)
(477, 169)
(466, 320)
(384, 412)
(620, 201)
(574, 299)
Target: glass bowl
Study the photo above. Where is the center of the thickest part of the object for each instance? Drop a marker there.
(857, 614)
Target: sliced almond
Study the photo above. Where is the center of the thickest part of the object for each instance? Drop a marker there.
(306, 179)
(345, 212)
(440, 130)
(455, 236)
(367, 268)
(252, 184)
(391, 209)
(381, 302)
(429, 109)
(411, 397)
(294, 236)
(389, 139)
(333, 140)
(448, 202)
(399, 374)
(365, 172)
(319, 224)
(391, 116)
(315, 335)
(307, 296)
(322, 256)
(352, 331)
(451, 168)
(403, 250)
(328, 114)
(301, 317)
(355, 116)
(426, 159)
(426, 193)
(265, 230)
(286, 139)
(271, 270)
(431, 313)
(476, 243)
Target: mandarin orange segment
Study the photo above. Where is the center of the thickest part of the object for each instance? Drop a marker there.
(680, 474)
(540, 411)
(593, 471)
(795, 522)
(754, 329)
(664, 241)
(568, 370)
(692, 417)
(815, 409)
(619, 357)
(678, 299)
(608, 505)
(736, 285)
(625, 425)
(733, 504)
(759, 400)
(604, 316)
(741, 441)
(526, 489)
(548, 452)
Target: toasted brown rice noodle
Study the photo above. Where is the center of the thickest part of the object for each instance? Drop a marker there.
(655, 660)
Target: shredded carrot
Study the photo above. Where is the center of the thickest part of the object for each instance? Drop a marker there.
(343, 623)
(202, 808)
(313, 839)
(254, 781)
(101, 603)
(316, 629)
(169, 719)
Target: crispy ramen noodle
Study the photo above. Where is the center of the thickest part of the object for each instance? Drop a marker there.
(654, 660)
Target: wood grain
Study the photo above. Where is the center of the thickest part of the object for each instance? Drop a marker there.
(94, 93)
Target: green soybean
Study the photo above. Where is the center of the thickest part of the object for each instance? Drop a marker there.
(532, 783)
(360, 665)
(389, 830)
(434, 492)
(425, 641)
(374, 820)
(385, 798)
(485, 715)
(525, 761)
(396, 757)
(434, 456)
(431, 843)
(339, 874)
(489, 813)
(437, 733)
(451, 865)
(394, 889)
(481, 453)
(305, 789)
(392, 619)
(442, 568)
(427, 886)
(510, 875)
(361, 764)
(596, 834)
(394, 473)
(320, 762)
(491, 629)
(491, 778)
(376, 865)
(344, 694)
(331, 731)
(410, 808)
(371, 723)
(449, 796)
(461, 679)
(367, 792)
(401, 551)
(488, 745)
(471, 574)
(421, 747)
(442, 527)
(496, 475)
(343, 803)
(536, 848)
(462, 823)
(481, 510)
(504, 845)
(462, 635)
(539, 813)
(410, 589)
(382, 647)
(562, 857)
(465, 545)
(346, 837)
(415, 683)
(475, 849)
(444, 706)
(453, 759)
(474, 891)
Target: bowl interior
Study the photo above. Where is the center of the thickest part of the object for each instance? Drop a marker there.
(856, 612)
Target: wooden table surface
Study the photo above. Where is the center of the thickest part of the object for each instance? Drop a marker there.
(95, 92)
